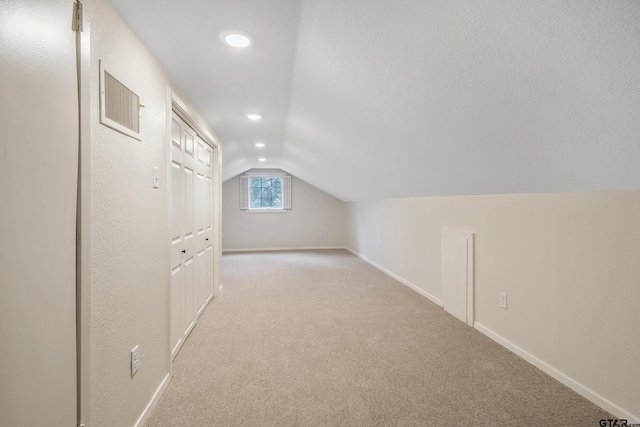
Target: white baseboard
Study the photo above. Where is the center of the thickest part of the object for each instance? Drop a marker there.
(585, 392)
(405, 282)
(304, 248)
(153, 402)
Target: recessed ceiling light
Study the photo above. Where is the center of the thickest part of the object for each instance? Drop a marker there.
(253, 116)
(259, 144)
(237, 38)
(262, 159)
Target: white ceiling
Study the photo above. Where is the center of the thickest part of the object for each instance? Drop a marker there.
(372, 99)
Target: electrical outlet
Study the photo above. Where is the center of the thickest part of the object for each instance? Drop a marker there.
(503, 300)
(135, 360)
(319, 235)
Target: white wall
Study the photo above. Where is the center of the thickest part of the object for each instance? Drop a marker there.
(568, 261)
(498, 96)
(128, 223)
(38, 177)
(312, 211)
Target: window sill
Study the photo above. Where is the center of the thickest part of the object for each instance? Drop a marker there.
(252, 211)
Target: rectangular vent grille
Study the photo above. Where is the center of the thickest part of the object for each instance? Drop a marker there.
(120, 107)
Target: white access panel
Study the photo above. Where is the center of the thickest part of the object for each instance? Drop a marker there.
(457, 274)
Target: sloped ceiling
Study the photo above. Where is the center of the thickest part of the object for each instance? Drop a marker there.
(369, 99)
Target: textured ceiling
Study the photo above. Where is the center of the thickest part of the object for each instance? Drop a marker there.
(378, 99)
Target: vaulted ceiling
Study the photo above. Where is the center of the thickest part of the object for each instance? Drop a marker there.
(372, 99)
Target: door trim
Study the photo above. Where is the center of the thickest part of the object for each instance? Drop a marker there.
(180, 108)
(83, 231)
(470, 280)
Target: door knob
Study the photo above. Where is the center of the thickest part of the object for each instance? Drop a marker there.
(184, 251)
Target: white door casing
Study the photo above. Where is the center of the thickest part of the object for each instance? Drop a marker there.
(457, 274)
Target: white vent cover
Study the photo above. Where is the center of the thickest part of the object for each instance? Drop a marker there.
(119, 105)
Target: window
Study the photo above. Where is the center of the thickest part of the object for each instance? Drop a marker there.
(265, 191)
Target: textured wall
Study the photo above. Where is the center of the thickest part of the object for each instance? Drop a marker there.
(38, 171)
(446, 97)
(312, 211)
(569, 263)
(465, 97)
(128, 230)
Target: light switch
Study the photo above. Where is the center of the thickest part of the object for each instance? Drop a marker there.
(503, 300)
(156, 177)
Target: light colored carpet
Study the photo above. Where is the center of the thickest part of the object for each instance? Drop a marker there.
(320, 338)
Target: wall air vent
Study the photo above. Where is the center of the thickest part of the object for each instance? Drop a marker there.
(119, 106)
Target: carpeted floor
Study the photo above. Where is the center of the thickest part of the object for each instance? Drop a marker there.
(320, 338)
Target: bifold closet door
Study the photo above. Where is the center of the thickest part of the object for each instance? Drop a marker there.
(191, 232)
(204, 229)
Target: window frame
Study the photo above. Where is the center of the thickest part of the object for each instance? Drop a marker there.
(273, 175)
(268, 208)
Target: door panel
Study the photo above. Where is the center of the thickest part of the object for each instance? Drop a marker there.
(189, 295)
(208, 215)
(176, 133)
(189, 140)
(177, 207)
(200, 211)
(189, 203)
(176, 311)
(178, 196)
(207, 287)
(457, 254)
(202, 281)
